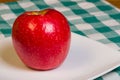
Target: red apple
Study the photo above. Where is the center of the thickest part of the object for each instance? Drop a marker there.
(41, 38)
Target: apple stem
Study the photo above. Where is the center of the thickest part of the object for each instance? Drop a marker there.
(43, 12)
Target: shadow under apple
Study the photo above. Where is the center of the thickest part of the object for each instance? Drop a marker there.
(9, 56)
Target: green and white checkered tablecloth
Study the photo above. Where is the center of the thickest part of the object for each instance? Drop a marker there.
(95, 19)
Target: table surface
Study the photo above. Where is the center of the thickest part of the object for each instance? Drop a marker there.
(114, 2)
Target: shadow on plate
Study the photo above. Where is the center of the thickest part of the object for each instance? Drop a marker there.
(10, 57)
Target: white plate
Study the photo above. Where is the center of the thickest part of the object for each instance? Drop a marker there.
(87, 59)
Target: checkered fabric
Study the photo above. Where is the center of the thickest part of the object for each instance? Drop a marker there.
(95, 19)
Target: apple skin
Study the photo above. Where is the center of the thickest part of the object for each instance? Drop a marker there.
(41, 38)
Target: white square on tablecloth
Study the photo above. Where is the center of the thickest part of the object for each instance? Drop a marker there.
(86, 5)
(110, 22)
(73, 17)
(26, 4)
(8, 16)
(51, 2)
(62, 9)
(117, 31)
(96, 36)
(111, 76)
(3, 6)
(98, 13)
(59, 7)
(84, 26)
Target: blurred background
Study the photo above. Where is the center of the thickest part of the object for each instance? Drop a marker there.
(114, 2)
